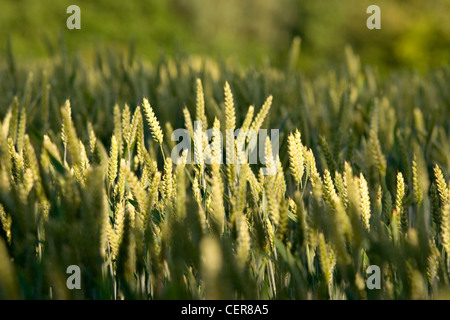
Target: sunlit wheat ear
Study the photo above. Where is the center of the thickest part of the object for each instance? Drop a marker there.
(241, 193)
(154, 188)
(92, 139)
(433, 262)
(153, 122)
(230, 125)
(136, 188)
(126, 126)
(400, 214)
(441, 184)
(105, 225)
(257, 123)
(284, 219)
(196, 192)
(16, 159)
(50, 147)
(280, 180)
(140, 144)
(4, 125)
(188, 121)
(230, 114)
(31, 162)
(325, 260)
(243, 134)
(418, 194)
(119, 218)
(255, 186)
(64, 134)
(130, 137)
(365, 201)
(270, 235)
(243, 241)
(268, 159)
(119, 189)
(181, 186)
(445, 226)
(198, 148)
(118, 127)
(328, 188)
(70, 134)
(341, 187)
(198, 198)
(296, 159)
(6, 222)
(314, 178)
(434, 206)
(168, 181)
(113, 161)
(270, 185)
(200, 114)
(84, 157)
(216, 143)
(218, 210)
(247, 122)
(113, 240)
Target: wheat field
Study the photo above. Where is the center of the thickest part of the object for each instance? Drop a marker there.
(87, 179)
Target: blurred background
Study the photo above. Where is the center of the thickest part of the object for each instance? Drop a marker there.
(415, 34)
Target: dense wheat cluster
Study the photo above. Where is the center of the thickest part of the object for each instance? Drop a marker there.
(87, 179)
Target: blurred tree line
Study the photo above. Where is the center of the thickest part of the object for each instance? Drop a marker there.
(414, 34)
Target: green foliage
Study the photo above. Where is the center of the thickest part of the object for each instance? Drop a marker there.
(413, 35)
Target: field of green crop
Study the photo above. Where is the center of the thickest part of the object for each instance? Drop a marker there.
(86, 179)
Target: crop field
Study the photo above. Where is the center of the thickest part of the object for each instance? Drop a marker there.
(88, 178)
